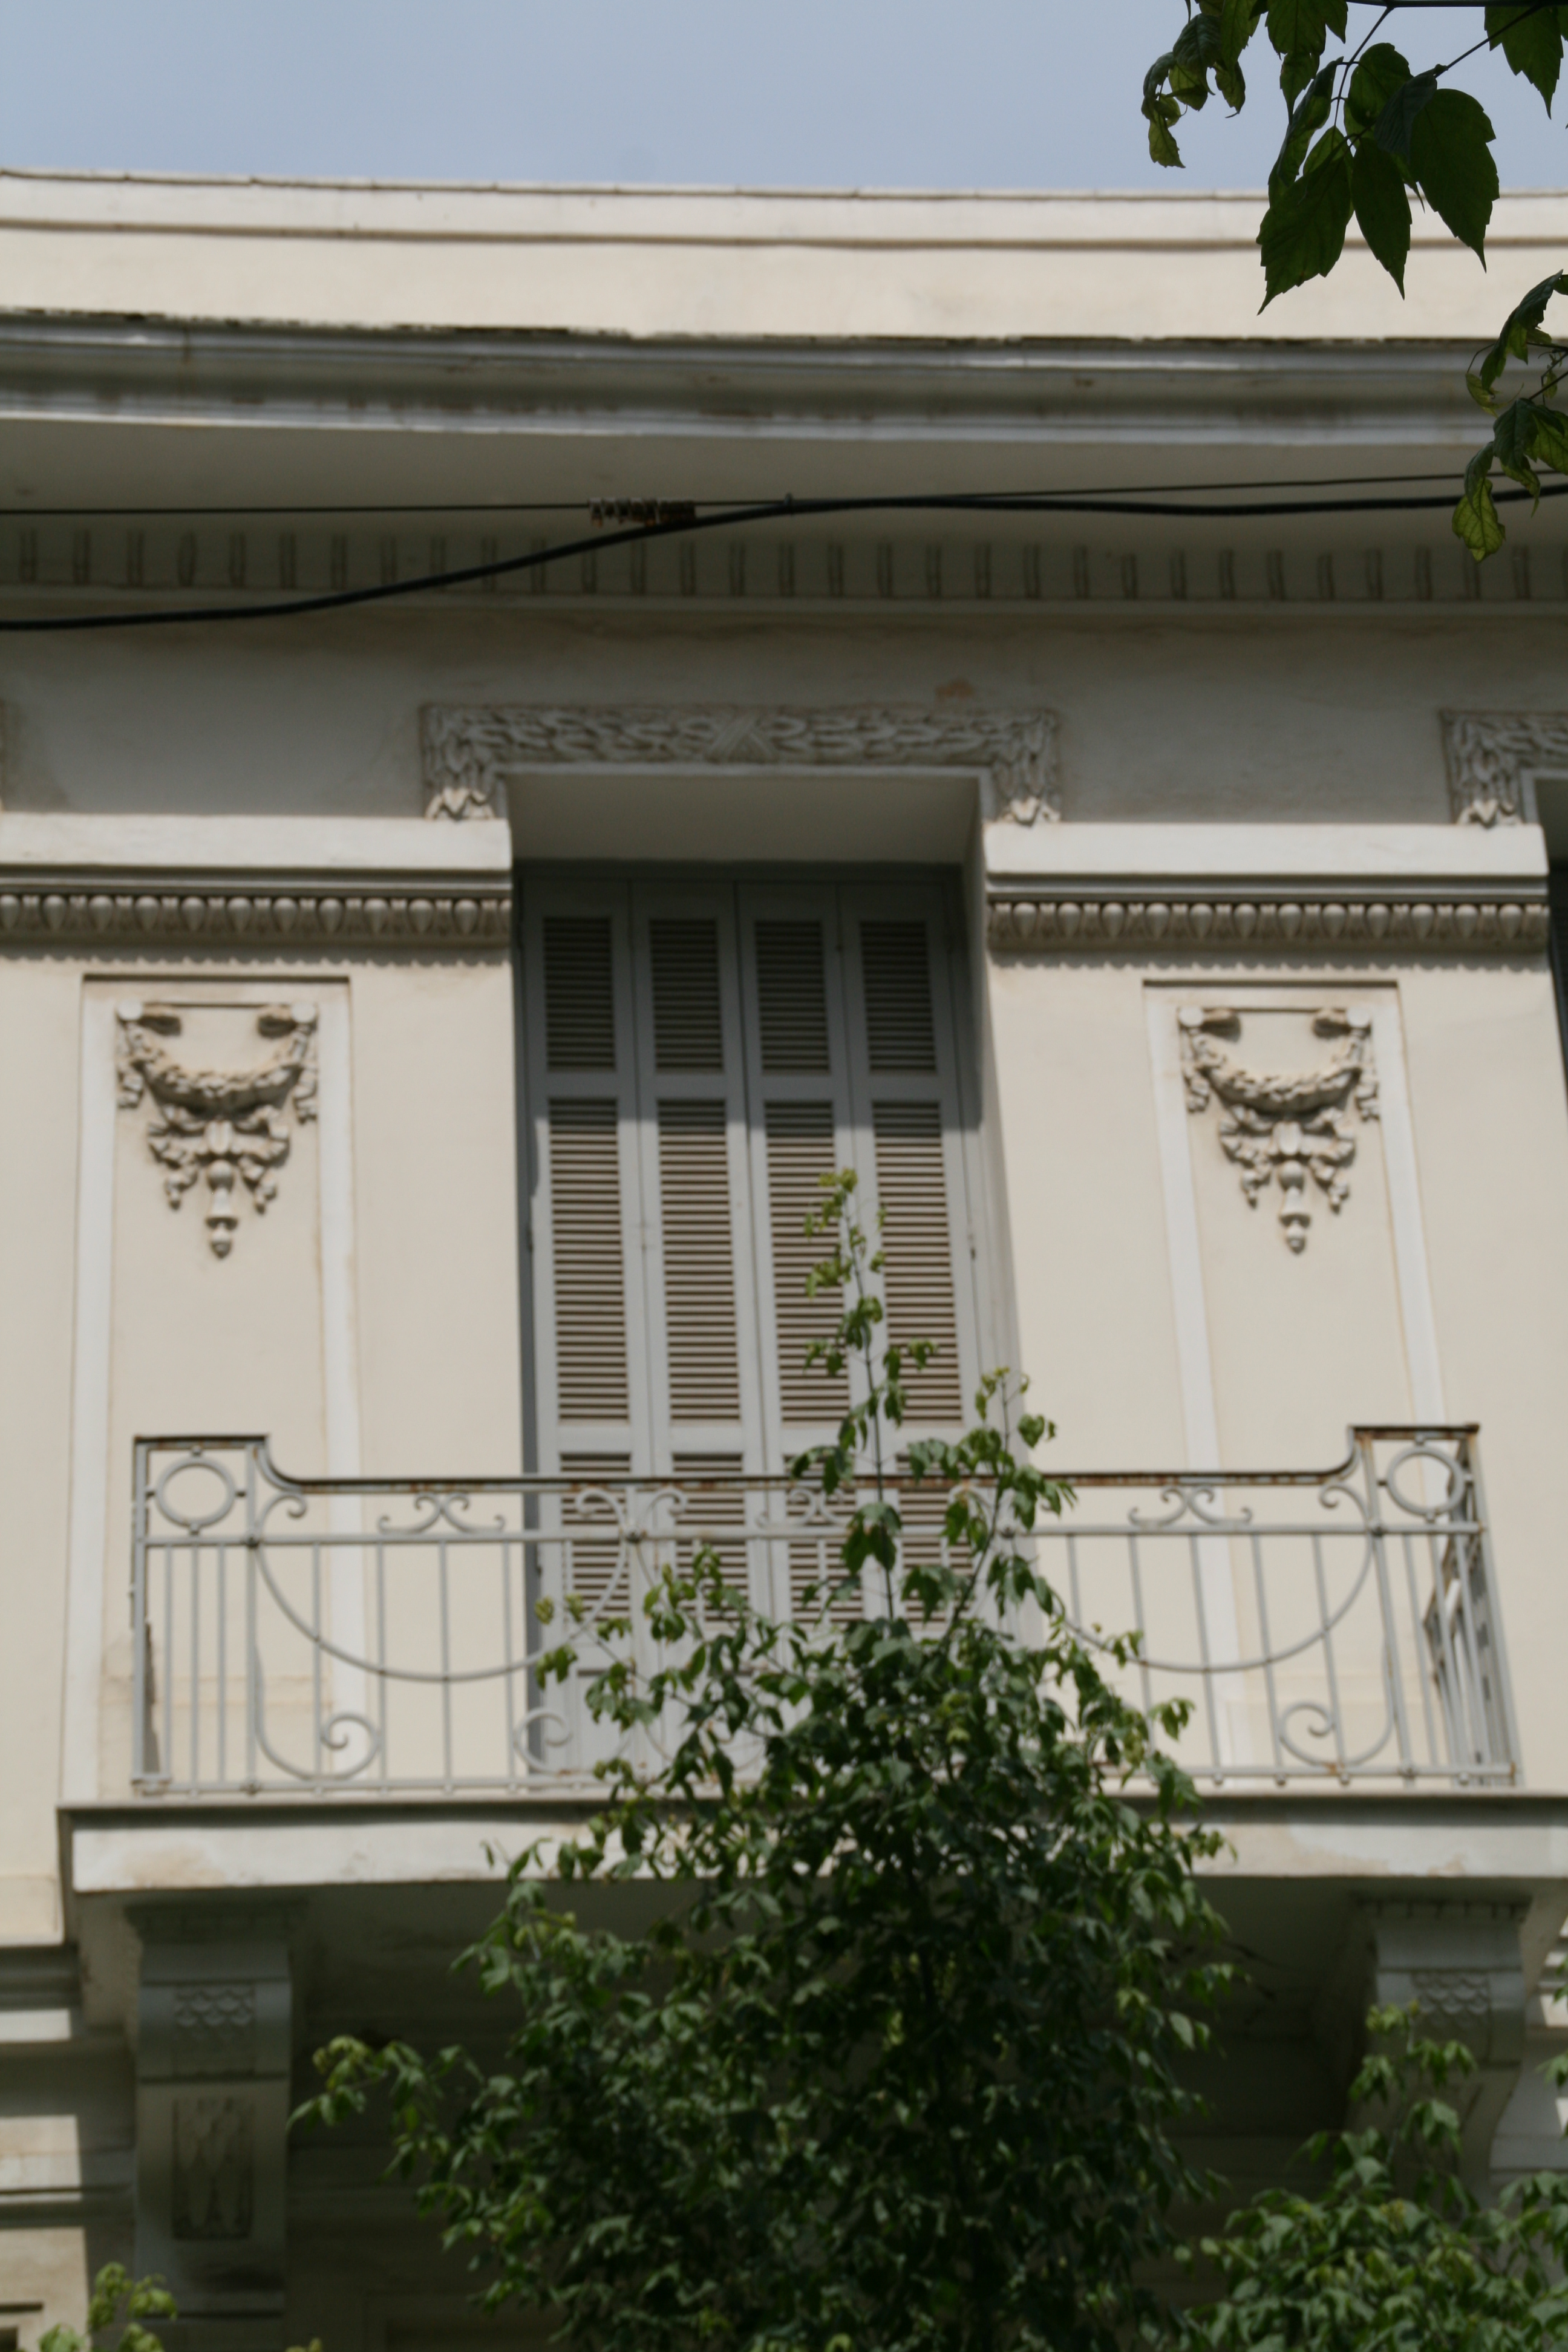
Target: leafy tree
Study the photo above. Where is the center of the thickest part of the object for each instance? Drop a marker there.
(1363, 132)
(1396, 2255)
(118, 2301)
(899, 2063)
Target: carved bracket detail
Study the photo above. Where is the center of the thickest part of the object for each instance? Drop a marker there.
(1492, 753)
(468, 752)
(226, 1126)
(1288, 1127)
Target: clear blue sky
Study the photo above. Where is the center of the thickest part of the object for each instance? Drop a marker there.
(800, 93)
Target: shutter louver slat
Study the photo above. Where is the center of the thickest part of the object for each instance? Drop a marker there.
(591, 1562)
(791, 996)
(579, 993)
(814, 1570)
(918, 1275)
(800, 1140)
(688, 1018)
(703, 1356)
(711, 1517)
(589, 1276)
(895, 968)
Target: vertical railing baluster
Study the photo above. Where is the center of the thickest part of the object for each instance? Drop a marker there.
(446, 1663)
(222, 1636)
(383, 1688)
(1468, 1455)
(317, 1757)
(170, 1656)
(1260, 1586)
(252, 1658)
(1454, 1708)
(1326, 1645)
(1420, 1649)
(1194, 1557)
(1480, 1743)
(508, 1679)
(140, 1628)
(1392, 1677)
(1136, 1573)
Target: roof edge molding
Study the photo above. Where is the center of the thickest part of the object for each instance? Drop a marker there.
(470, 752)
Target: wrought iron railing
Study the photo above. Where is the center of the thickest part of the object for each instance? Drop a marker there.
(377, 1636)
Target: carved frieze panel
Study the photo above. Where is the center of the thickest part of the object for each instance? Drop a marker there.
(228, 1128)
(213, 2030)
(214, 2167)
(1293, 1129)
(1492, 754)
(469, 751)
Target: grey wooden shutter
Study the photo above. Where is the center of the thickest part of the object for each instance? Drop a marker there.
(699, 1057)
(904, 1061)
(696, 1204)
(590, 1354)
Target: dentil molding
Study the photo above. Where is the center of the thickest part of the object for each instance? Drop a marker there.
(411, 917)
(1040, 920)
(468, 752)
(1283, 1127)
(227, 1125)
(1493, 755)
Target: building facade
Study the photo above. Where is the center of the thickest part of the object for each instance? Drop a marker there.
(425, 1022)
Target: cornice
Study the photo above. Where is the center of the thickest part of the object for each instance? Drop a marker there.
(67, 365)
(1267, 918)
(281, 913)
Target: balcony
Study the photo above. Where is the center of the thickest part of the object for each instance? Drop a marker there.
(381, 1639)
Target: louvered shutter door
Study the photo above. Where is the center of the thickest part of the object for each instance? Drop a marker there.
(590, 1357)
(798, 1082)
(903, 1051)
(699, 1057)
(696, 1183)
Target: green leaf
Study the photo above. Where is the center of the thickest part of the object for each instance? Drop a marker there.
(1518, 329)
(1377, 76)
(1530, 40)
(1475, 517)
(1382, 207)
(1310, 116)
(1404, 107)
(1303, 231)
(1159, 110)
(1298, 30)
(1512, 437)
(1549, 439)
(1238, 20)
(1451, 156)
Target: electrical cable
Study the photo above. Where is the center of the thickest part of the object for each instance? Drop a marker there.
(576, 506)
(772, 510)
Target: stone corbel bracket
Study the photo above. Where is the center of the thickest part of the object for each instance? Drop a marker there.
(1463, 1963)
(467, 753)
(1075, 921)
(1494, 756)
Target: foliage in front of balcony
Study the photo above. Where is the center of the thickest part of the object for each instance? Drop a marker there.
(900, 2063)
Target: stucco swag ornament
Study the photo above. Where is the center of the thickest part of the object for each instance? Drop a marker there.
(468, 752)
(1289, 1127)
(227, 1125)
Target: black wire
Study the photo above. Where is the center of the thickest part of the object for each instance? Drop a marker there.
(576, 506)
(964, 502)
